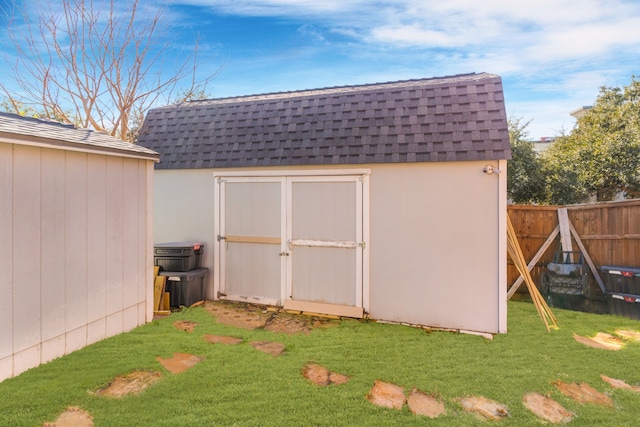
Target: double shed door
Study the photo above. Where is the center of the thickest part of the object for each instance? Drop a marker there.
(295, 241)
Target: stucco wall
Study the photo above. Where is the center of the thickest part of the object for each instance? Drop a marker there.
(75, 251)
(437, 238)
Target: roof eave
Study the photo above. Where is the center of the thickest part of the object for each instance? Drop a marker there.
(56, 144)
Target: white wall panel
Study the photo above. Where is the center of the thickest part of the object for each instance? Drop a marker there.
(76, 339)
(6, 259)
(130, 233)
(6, 368)
(26, 248)
(114, 324)
(53, 232)
(96, 331)
(26, 359)
(129, 318)
(435, 243)
(52, 348)
(142, 281)
(114, 233)
(184, 211)
(66, 220)
(76, 240)
(96, 238)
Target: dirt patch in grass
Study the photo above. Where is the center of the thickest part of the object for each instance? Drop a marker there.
(132, 383)
(222, 339)
(180, 362)
(615, 383)
(601, 340)
(273, 348)
(387, 395)
(583, 393)
(321, 376)
(185, 325)
(421, 403)
(484, 408)
(72, 417)
(546, 408)
(287, 323)
(250, 316)
(245, 316)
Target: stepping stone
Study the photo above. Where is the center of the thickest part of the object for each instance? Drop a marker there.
(420, 403)
(269, 347)
(601, 340)
(485, 408)
(387, 395)
(132, 383)
(72, 417)
(180, 362)
(620, 384)
(222, 339)
(583, 393)
(321, 376)
(546, 408)
(185, 325)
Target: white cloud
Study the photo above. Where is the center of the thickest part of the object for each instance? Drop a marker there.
(553, 55)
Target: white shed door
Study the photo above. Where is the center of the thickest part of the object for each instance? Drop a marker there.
(293, 241)
(251, 240)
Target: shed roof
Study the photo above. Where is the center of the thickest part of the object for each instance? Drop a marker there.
(455, 118)
(32, 131)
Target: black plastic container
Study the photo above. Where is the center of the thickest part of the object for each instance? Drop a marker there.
(623, 290)
(185, 287)
(178, 256)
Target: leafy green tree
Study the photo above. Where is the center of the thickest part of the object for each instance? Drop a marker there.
(601, 155)
(525, 182)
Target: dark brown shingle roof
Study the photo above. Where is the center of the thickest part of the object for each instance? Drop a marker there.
(454, 118)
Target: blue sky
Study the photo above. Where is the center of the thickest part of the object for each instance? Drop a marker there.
(553, 55)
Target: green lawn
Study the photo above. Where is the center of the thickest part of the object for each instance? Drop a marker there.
(237, 385)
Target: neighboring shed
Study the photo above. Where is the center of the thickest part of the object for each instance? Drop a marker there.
(76, 239)
(352, 200)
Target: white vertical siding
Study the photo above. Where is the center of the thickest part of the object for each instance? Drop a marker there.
(115, 231)
(76, 246)
(97, 247)
(26, 249)
(52, 231)
(6, 260)
(75, 251)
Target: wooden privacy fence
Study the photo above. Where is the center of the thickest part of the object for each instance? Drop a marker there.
(610, 233)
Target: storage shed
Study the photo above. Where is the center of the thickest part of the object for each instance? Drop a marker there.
(386, 200)
(76, 239)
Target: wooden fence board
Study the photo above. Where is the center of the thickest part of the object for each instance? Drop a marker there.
(610, 233)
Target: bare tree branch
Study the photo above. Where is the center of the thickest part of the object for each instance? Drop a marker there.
(96, 64)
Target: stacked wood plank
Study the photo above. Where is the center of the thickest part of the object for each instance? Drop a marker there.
(513, 248)
(161, 300)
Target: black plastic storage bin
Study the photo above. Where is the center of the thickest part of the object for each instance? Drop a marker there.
(185, 287)
(178, 256)
(623, 290)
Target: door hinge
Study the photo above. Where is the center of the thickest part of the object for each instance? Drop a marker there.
(363, 245)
